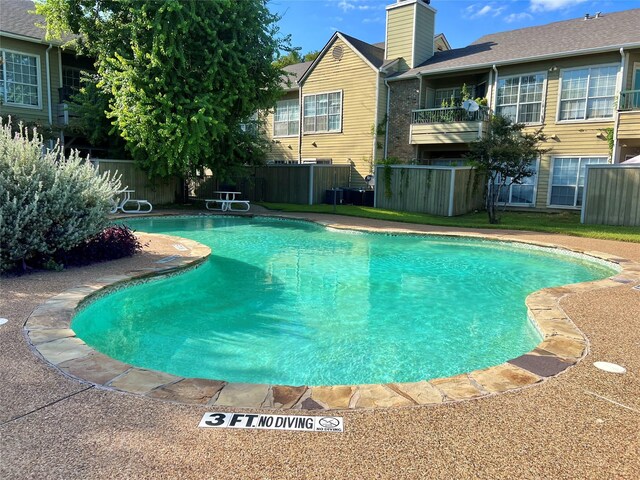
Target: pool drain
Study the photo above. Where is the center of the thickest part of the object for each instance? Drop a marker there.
(610, 367)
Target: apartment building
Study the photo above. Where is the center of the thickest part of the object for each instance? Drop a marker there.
(577, 80)
(36, 75)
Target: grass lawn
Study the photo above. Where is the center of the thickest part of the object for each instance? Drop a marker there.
(567, 223)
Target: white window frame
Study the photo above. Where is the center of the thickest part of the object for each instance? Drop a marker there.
(585, 119)
(519, 76)
(289, 120)
(315, 131)
(4, 80)
(535, 190)
(576, 185)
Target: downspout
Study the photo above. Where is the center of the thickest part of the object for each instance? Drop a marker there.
(60, 85)
(300, 119)
(614, 150)
(490, 92)
(48, 73)
(386, 127)
(494, 92)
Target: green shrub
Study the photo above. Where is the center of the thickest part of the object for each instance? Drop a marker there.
(48, 202)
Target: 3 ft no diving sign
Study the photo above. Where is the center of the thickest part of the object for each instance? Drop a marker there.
(272, 422)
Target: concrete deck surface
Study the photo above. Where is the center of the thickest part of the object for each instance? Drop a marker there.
(584, 423)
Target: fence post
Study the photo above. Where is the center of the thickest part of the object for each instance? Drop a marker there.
(311, 184)
(452, 187)
(375, 188)
(583, 208)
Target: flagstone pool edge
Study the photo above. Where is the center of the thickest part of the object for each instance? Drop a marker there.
(563, 345)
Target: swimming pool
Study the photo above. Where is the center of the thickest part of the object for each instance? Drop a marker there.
(292, 303)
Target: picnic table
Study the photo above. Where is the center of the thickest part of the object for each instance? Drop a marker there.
(225, 200)
(124, 197)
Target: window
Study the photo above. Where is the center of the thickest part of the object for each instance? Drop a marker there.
(520, 98)
(587, 93)
(19, 79)
(71, 77)
(520, 193)
(250, 125)
(449, 95)
(286, 118)
(567, 179)
(323, 113)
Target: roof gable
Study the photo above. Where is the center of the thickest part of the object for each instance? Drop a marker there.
(371, 55)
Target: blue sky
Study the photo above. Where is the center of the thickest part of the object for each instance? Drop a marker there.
(312, 22)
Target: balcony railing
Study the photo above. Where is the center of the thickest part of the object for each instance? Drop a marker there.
(448, 115)
(629, 100)
(65, 115)
(65, 93)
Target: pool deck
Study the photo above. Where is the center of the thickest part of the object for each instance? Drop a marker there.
(583, 423)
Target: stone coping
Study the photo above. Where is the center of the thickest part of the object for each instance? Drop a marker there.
(563, 345)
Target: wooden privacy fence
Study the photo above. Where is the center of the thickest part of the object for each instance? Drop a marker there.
(157, 191)
(445, 191)
(298, 184)
(611, 195)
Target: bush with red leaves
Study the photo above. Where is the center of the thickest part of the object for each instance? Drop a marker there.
(113, 242)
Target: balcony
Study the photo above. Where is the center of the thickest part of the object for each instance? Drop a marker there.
(447, 125)
(628, 129)
(629, 100)
(65, 115)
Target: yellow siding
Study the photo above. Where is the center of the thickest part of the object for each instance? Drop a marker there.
(400, 33)
(452, 132)
(41, 113)
(582, 138)
(629, 125)
(425, 23)
(281, 148)
(439, 45)
(357, 81)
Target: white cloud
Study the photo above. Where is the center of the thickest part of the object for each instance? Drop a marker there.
(477, 10)
(346, 5)
(374, 19)
(517, 17)
(551, 5)
(362, 5)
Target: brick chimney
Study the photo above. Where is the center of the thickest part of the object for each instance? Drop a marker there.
(410, 32)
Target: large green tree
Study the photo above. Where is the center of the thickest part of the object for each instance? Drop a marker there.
(180, 75)
(294, 57)
(505, 156)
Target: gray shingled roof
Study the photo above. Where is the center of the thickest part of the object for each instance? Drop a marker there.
(15, 18)
(294, 72)
(609, 32)
(373, 53)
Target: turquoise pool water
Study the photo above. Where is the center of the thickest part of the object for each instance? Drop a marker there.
(289, 302)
